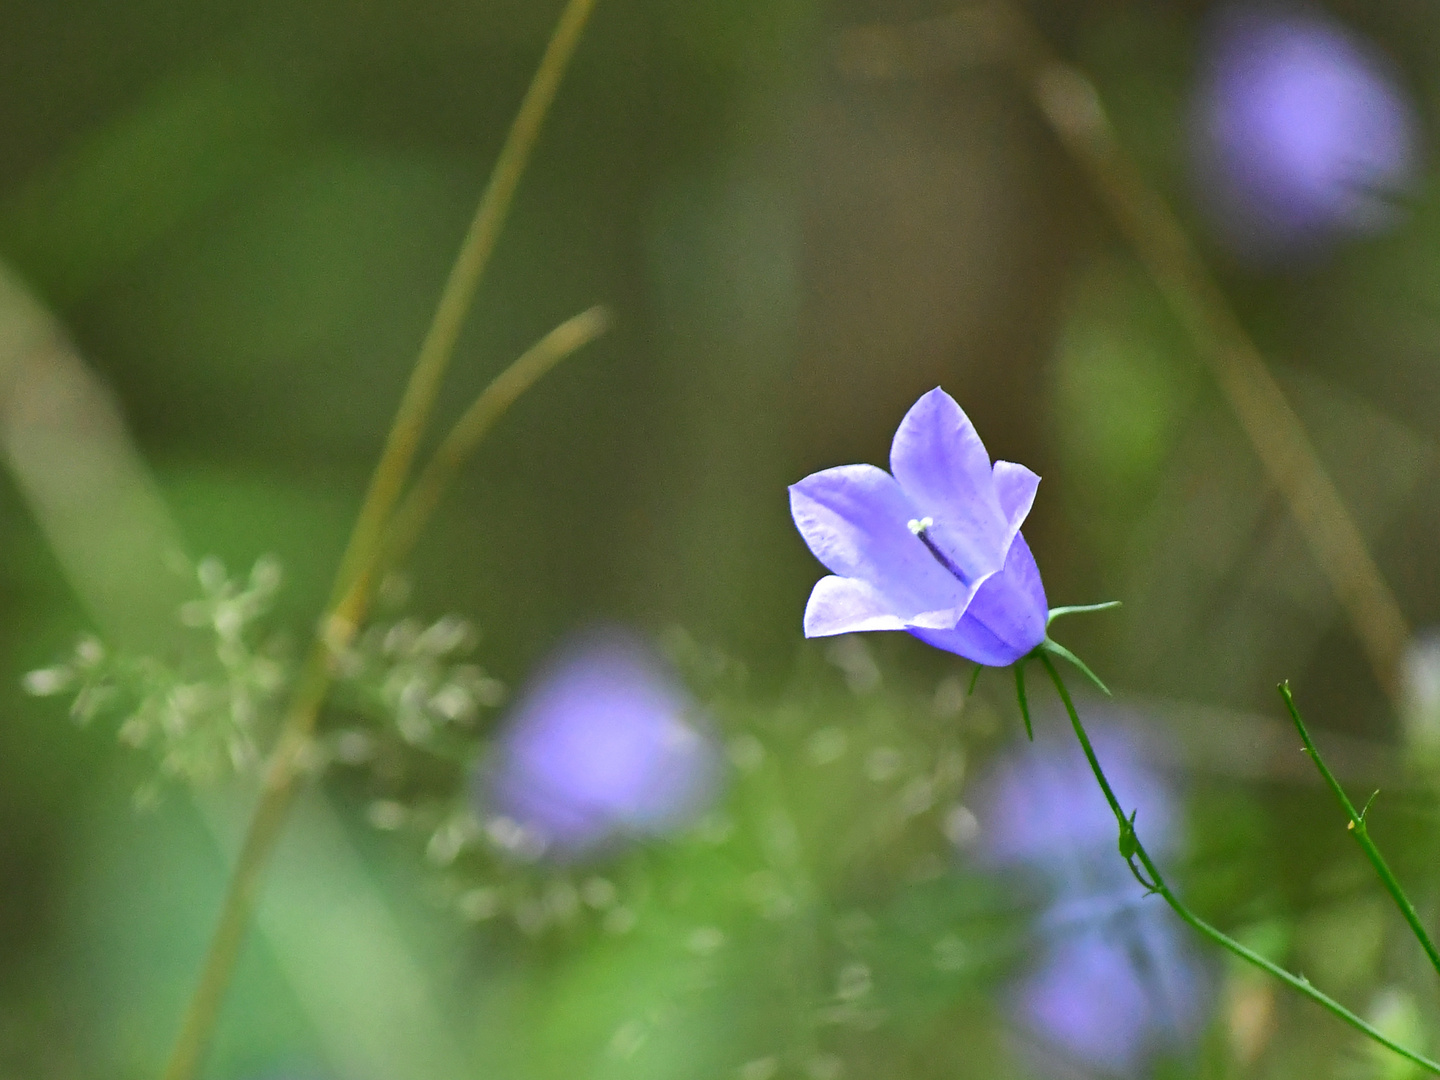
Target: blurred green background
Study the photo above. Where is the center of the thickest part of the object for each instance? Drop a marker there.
(242, 215)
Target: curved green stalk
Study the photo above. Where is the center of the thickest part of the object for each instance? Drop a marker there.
(1362, 834)
(411, 418)
(1157, 884)
(475, 423)
(351, 592)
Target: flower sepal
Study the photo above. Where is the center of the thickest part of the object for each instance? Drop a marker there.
(1052, 647)
(1078, 609)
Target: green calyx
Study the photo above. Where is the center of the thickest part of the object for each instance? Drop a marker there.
(1053, 648)
(1128, 844)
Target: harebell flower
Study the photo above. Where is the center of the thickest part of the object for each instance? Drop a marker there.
(932, 547)
(1301, 131)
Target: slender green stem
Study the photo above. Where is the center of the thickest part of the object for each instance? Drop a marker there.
(1362, 834)
(475, 423)
(1084, 738)
(350, 595)
(276, 796)
(439, 344)
(1157, 884)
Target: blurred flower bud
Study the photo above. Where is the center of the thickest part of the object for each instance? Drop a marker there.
(1300, 131)
(1115, 993)
(604, 743)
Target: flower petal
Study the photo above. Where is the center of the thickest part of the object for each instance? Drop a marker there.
(855, 519)
(944, 469)
(1015, 488)
(1005, 621)
(840, 605)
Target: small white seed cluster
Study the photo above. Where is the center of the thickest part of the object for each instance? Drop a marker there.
(416, 678)
(204, 717)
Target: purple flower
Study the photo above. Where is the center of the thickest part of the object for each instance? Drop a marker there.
(605, 743)
(932, 547)
(1301, 131)
(1114, 983)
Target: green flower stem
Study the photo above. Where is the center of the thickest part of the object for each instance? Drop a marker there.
(1362, 834)
(348, 602)
(1157, 884)
(350, 596)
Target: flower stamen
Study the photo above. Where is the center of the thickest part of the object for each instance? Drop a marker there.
(920, 528)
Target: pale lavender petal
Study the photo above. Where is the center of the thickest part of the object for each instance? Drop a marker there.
(944, 469)
(1015, 487)
(856, 520)
(841, 605)
(1005, 620)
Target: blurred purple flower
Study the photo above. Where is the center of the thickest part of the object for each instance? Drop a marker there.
(1115, 983)
(605, 743)
(1300, 130)
(1115, 992)
(932, 547)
